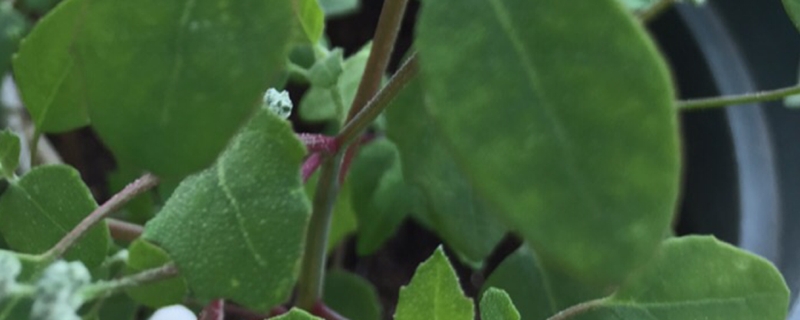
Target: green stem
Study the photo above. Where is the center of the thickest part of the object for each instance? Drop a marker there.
(107, 288)
(382, 46)
(116, 202)
(296, 70)
(577, 309)
(723, 101)
(363, 119)
(312, 272)
(655, 10)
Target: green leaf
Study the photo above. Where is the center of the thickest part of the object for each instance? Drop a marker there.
(317, 104)
(47, 72)
(169, 83)
(117, 307)
(9, 153)
(458, 215)
(567, 127)
(351, 296)
(497, 305)
(43, 206)
(335, 8)
(699, 277)
(343, 221)
(310, 18)
(793, 9)
(142, 256)
(13, 26)
(325, 72)
(434, 293)
(296, 314)
(538, 292)
(236, 230)
(381, 199)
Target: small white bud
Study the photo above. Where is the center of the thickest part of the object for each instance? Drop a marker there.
(58, 291)
(174, 312)
(10, 267)
(278, 102)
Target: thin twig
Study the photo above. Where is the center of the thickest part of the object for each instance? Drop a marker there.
(146, 182)
(309, 285)
(107, 288)
(382, 47)
(123, 230)
(723, 101)
(577, 309)
(312, 272)
(363, 119)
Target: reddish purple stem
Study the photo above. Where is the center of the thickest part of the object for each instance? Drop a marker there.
(321, 310)
(318, 142)
(310, 165)
(213, 311)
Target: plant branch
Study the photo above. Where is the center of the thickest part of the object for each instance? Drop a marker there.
(353, 129)
(382, 46)
(577, 309)
(309, 285)
(723, 101)
(655, 10)
(107, 288)
(146, 182)
(312, 272)
(123, 230)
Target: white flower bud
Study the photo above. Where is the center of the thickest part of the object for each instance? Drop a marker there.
(10, 268)
(278, 102)
(58, 291)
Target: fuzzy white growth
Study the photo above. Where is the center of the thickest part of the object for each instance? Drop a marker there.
(175, 312)
(58, 291)
(10, 268)
(278, 102)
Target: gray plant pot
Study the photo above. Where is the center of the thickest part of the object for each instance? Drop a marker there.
(742, 177)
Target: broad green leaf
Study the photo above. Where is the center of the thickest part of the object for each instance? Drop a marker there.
(434, 293)
(343, 221)
(48, 73)
(381, 198)
(351, 296)
(168, 84)
(13, 26)
(310, 19)
(567, 126)
(117, 307)
(296, 314)
(43, 206)
(537, 292)
(9, 153)
(497, 305)
(335, 8)
(793, 9)
(457, 213)
(236, 230)
(699, 277)
(142, 256)
(317, 104)
(325, 72)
